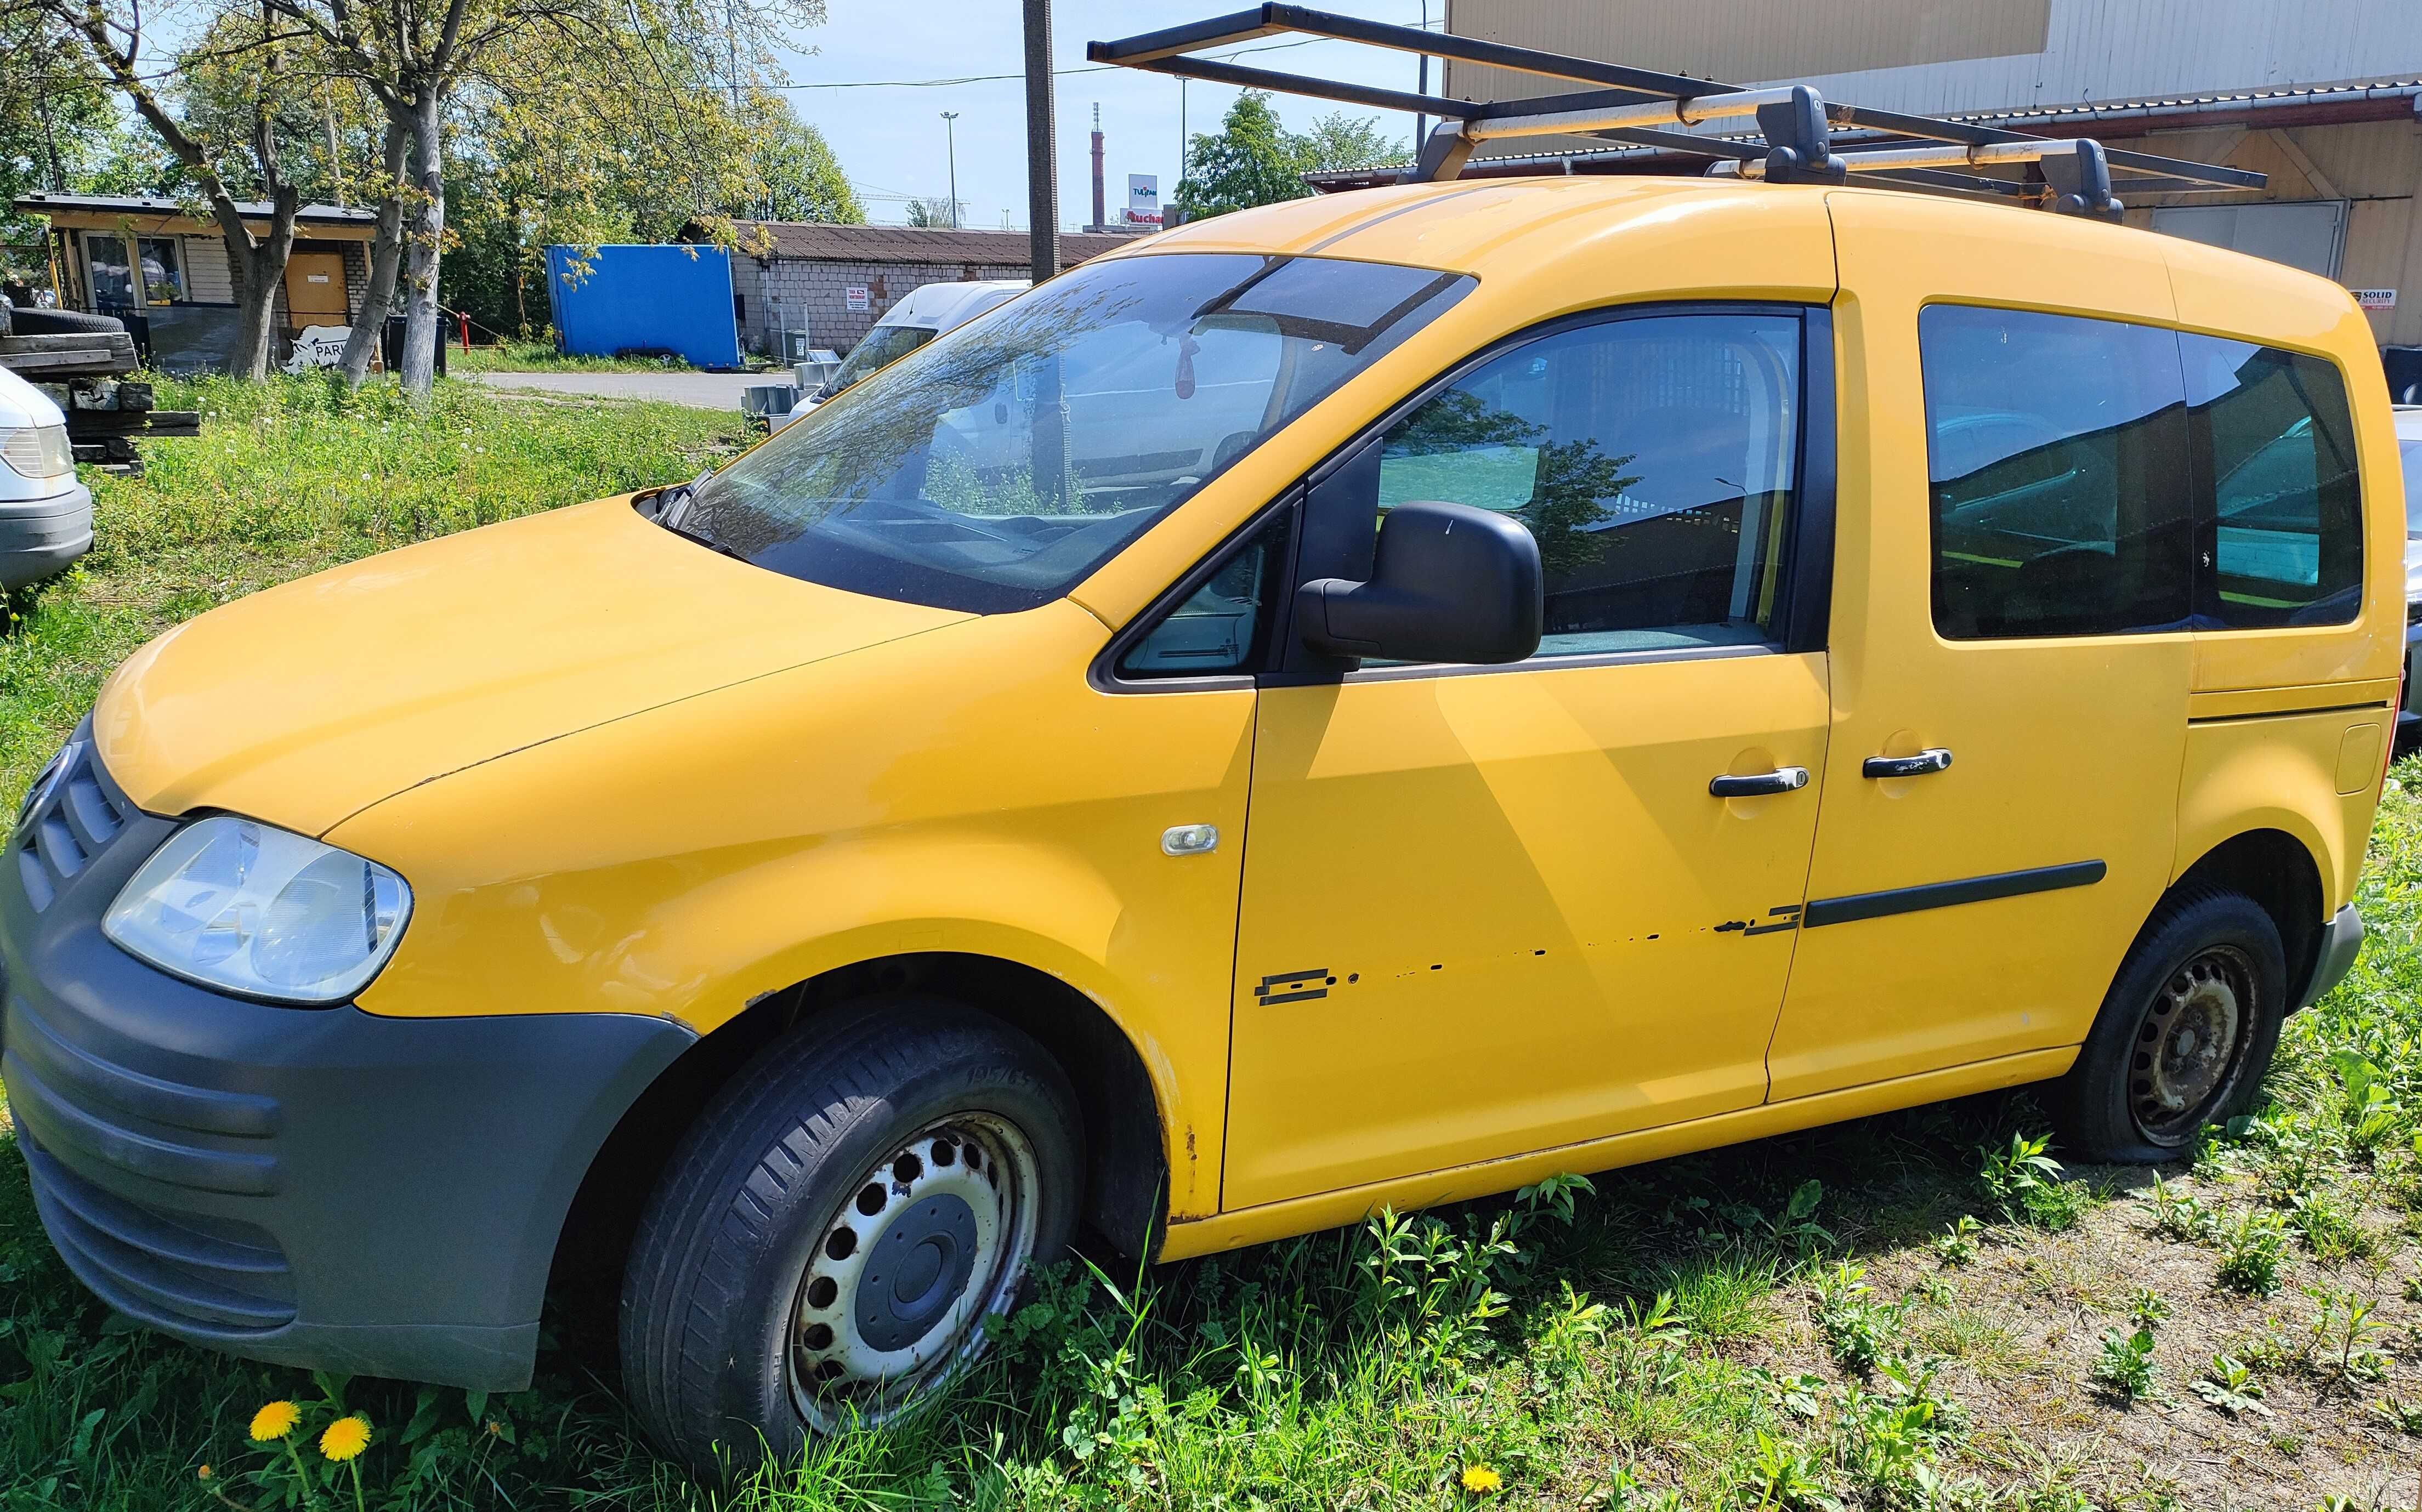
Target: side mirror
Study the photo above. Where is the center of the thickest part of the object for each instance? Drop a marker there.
(1450, 584)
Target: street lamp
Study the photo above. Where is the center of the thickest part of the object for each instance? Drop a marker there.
(951, 134)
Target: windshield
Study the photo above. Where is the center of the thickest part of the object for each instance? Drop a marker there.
(2413, 450)
(882, 346)
(995, 467)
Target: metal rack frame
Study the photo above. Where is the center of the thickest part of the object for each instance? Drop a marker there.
(1795, 127)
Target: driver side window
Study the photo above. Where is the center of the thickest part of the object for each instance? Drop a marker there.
(1651, 459)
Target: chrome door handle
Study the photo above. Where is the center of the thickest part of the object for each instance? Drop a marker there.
(1934, 760)
(1782, 779)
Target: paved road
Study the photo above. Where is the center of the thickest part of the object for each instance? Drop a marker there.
(701, 390)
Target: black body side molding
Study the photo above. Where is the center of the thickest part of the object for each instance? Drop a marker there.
(1859, 905)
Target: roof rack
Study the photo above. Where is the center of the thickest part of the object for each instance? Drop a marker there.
(1793, 140)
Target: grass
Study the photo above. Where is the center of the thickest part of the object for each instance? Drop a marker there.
(1924, 1309)
(542, 357)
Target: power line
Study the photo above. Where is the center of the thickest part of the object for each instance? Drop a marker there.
(996, 78)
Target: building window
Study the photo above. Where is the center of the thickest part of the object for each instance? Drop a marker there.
(2307, 234)
(113, 277)
(164, 269)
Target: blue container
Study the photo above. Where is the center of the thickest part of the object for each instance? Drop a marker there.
(645, 299)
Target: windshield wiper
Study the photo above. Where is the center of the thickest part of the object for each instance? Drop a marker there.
(673, 495)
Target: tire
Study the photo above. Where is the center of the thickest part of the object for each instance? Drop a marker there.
(2208, 968)
(62, 322)
(754, 1310)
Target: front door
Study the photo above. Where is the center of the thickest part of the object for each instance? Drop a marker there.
(1492, 910)
(2011, 652)
(315, 290)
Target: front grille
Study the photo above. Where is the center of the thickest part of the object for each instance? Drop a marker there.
(175, 1270)
(70, 815)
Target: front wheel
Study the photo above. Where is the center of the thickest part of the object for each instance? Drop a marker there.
(2185, 1036)
(826, 1246)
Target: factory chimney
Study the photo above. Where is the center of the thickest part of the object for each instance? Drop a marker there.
(1099, 222)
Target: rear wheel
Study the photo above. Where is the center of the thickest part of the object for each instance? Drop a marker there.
(2185, 1035)
(826, 1246)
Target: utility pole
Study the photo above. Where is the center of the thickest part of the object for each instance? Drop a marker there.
(1099, 211)
(1042, 154)
(951, 135)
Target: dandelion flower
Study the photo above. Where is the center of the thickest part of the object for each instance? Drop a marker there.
(346, 1438)
(274, 1422)
(1480, 1480)
(205, 1473)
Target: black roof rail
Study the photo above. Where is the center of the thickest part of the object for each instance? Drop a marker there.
(1796, 135)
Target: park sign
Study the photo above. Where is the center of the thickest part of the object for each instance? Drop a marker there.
(1143, 198)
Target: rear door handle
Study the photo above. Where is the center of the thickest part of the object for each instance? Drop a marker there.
(1934, 760)
(1782, 779)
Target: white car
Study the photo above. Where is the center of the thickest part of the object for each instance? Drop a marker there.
(45, 515)
(928, 311)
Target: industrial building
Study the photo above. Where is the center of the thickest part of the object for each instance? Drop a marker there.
(833, 282)
(2324, 96)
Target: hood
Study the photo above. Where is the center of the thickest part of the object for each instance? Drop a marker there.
(304, 703)
(22, 403)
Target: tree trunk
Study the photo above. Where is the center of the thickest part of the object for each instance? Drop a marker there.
(260, 268)
(421, 251)
(386, 255)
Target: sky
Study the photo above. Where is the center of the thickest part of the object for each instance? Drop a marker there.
(892, 139)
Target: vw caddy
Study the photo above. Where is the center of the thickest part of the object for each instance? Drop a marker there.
(1585, 669)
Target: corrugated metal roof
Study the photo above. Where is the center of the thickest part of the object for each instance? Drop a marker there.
(812, 239)
(41, 202)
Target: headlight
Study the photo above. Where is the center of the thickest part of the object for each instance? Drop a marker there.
(232, 904)
(37, 451)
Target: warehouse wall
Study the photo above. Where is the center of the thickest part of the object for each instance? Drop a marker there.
(790, 293)
(2373, 166)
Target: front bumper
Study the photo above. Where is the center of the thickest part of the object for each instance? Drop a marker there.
(39, 537)
(324, 1188)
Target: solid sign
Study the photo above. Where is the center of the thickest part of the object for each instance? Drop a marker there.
(858, 297)
(1143, 198)
(2376, 298)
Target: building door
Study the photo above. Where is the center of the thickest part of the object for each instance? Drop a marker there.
(2011, 652)
(1493, 911)
(315, 290)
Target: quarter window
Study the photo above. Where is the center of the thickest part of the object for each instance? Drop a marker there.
(2277, 445)
(1224, 625)
(1653, 460)
(2052, 449)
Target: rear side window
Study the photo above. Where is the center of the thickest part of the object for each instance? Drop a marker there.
(1651, 457)
(2276, 444)
(2053, 452)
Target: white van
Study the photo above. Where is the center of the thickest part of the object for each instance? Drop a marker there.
(928, 311)
(45, 515)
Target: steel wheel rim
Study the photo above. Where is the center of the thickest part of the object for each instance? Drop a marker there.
(939, 1234)
(2190, 1042)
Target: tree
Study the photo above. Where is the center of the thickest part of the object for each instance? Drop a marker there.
(1254, 160)
(60, 132)
(1338, 141)
(938, 213)
(624, 64)
(795, 176)
(112, 41)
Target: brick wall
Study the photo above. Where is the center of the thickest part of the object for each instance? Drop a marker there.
(788, 294)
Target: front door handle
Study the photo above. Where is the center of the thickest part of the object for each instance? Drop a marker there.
(1761, 784)
(1934, 760)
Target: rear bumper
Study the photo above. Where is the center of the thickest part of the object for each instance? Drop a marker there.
(323, 1188)
(42, 536)
(2341, 941)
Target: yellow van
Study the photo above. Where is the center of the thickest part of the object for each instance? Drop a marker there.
(1372, 700)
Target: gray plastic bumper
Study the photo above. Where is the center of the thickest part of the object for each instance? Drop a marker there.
(40, 536)
(315, 1186)
(2341, 941)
